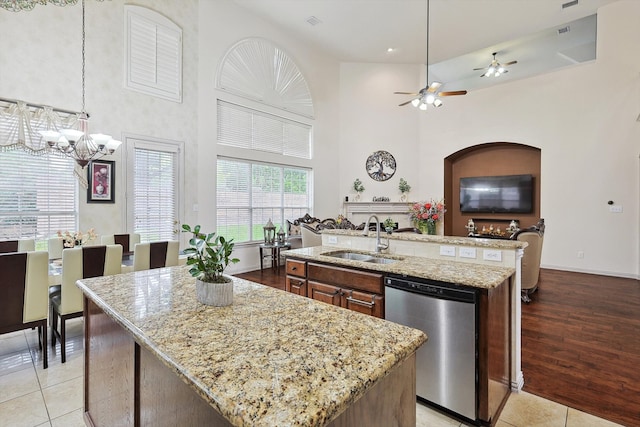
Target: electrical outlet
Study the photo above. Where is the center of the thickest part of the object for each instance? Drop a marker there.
(467, 253)
(580, 254)
(491, 255)
(615, 208)
(448, 250)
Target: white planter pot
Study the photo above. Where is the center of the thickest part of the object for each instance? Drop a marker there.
(216, 294)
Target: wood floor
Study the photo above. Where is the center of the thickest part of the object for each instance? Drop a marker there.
(580, 341)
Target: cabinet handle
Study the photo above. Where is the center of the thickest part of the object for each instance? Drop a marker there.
(294, 268)
(357, 301)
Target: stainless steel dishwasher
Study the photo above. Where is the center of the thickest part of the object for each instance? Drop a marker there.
(446, 367)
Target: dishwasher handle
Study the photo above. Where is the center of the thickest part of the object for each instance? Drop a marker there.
(435, 290)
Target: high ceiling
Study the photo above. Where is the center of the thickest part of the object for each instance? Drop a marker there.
(463, 33)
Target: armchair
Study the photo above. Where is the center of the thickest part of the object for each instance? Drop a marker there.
(534, 236)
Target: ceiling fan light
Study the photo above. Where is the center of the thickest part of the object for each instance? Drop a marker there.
(437, 103)
(501, 69)
(423, 106)
(430, 98)
(415, 102)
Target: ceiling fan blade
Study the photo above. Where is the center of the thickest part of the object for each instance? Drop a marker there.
(405, 93)
(434, 86)
(453, 93)
(405, 103)
(481, 68)
(510, 63)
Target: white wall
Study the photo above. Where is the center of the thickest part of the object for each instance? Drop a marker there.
(40, 62)
(589, 145)
(583, 118)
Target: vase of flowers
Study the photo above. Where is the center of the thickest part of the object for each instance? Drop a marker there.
(404, 188)
(76, 238)
(358, 188)
(425, 215)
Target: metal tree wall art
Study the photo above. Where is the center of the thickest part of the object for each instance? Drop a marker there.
(381, 165)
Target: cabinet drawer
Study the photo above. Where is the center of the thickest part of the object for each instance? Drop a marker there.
(364, 302)
(296, 268)
(296, 285)
(353, 279)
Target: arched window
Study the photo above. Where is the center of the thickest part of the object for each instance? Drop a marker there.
(276, 119)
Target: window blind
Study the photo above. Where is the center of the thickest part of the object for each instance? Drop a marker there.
(153, 53)
(38, 196)
(244, 127)
(248, 194)
(155, 194)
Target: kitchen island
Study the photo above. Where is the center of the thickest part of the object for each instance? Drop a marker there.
(464, 308)
(155, 356)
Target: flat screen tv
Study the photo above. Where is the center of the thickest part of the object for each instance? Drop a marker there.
(496, 194)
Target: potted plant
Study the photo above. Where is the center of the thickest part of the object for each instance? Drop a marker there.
(358, 188)
(208, 256)
(389, 223)
(404, 188)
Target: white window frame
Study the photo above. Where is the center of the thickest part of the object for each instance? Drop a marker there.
(162, 57)
(149, 143)
(250, 208)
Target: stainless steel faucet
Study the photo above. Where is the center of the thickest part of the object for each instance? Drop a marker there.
(379, 245)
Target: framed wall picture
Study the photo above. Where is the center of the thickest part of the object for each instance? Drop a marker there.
(101, 178)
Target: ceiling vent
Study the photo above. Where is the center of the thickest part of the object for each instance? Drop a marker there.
(564, 30)
(313, 20)
(569, 4)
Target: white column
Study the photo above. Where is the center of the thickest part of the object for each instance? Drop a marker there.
(517, 378)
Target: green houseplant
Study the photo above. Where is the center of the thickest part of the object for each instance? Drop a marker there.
(404, 188)
(209, 255)
(358, 188)
(389, 223)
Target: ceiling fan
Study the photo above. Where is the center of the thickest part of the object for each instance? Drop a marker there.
(495, 69)
(428, 95)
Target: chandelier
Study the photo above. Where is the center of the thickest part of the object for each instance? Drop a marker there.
(78, 143)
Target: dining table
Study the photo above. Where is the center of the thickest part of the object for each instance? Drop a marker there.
(55, 268)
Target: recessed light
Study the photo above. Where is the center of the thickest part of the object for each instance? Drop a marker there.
(391, 50)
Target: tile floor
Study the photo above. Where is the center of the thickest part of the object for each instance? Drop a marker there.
(31, 396)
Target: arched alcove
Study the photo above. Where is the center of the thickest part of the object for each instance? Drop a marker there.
(489, 159)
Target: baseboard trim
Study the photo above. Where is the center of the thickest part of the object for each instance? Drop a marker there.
(594, 272)
(518, 383)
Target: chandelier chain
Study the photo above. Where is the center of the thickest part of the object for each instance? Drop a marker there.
(83, 56)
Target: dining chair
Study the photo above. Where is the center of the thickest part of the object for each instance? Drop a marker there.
(23, 294)
(18, 245)
(128, 241)
(155, 255)
(55, 245)
(79, 263)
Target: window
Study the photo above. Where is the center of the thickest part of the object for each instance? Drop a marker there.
(251, 193)
(155, 169)
(153, 53)
(244, 127)
(38, 196)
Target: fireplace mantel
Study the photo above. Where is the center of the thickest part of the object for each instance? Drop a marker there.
(358, 212)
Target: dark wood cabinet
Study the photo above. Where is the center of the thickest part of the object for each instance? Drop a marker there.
(296, 280)
(356, 290)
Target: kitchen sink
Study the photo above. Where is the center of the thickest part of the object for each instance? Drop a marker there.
(357, 256)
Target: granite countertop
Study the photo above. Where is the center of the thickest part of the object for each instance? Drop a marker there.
(271, 358)
(475, 275)
(448, 240)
